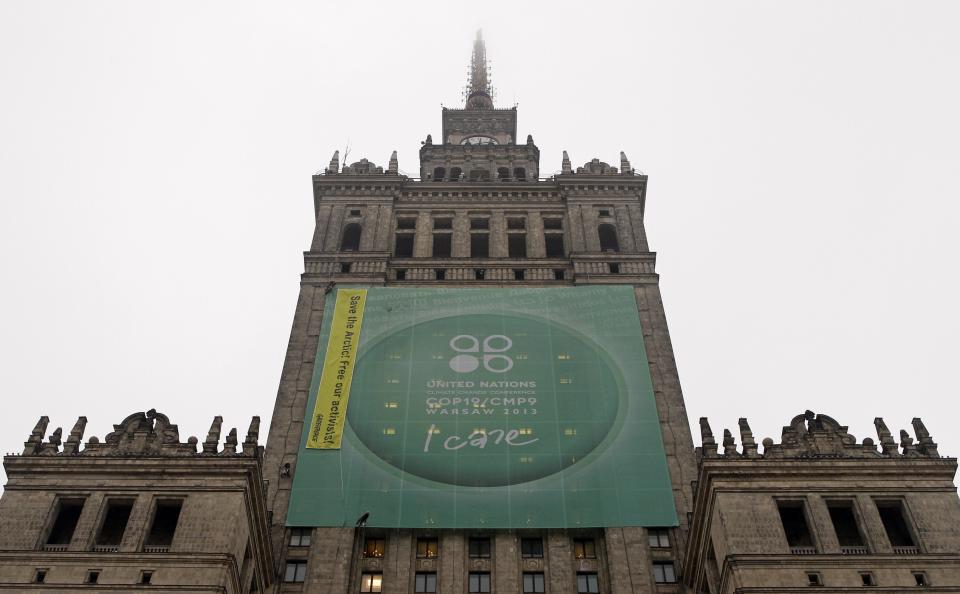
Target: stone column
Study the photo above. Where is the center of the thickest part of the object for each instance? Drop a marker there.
(331, 243)
(590, 222)
(320, 230)
(873, 530)
(506, 575)
(822, 528)
(625, 230)
(498, 235)
(368, 227)
(536, 247)
(461, 235)
(423, 240)
(575, 229)
(385, 227)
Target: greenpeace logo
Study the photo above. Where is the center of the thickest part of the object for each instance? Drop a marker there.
(473, 353)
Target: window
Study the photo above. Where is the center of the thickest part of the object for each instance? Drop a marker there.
(531, 548)
(296, 571)
(503, 173)
(439, 173)
(440, 273)
(480, 223)
(479, 273)
(559, 274)
(614, 268)
(921, 578)
(479, 548)
(845, 525)
(345, 267)
(113, 526)
(442, 243)
(520, 173)
(371, 582)
(146, 577)
(68, 514)
(608, 238)
(165, 518)
(427, 548)
(517, 245)
(404, 245)
(407, 223)
(659, 538)
(532, 582)
(795, 525)
(518, 274)
(554, 244)
(300, 537)
(587, 583)
(584, 548)
(516, 223)
(479, 245)
(425, 582)
(478, 582)
(40, 576)
(93, 576)
(351, 238)
(443, 223)
(354, 212)
(894, 523)
(663, 572)
(553, 223)
(455, 173)
(401, 274)
(867, 579)
(814, 579)
(604, 212)
(373, 548)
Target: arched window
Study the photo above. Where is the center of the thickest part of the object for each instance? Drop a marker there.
(439, 173)
(520, 173)
(455, 173)
(503, 173)
(351, 238)
(608, 238)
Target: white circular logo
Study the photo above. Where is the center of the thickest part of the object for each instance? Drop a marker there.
(465, 363)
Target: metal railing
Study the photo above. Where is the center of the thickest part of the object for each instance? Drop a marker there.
(105, 548)
(54, 548)
(858, 550)
(803, 550)
(156, 548)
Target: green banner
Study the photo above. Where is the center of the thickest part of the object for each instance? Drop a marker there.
(491, 408)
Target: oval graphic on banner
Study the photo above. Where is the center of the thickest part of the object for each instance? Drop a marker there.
(484, 400)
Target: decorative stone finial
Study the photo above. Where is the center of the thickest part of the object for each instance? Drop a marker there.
(887, 445)
(708, 444)
(927, 446)
(253, 433)
(906, 444)
(76, 436)
(212, 443)
(567, 168)
(746, 439)
(334, 166)
(729, 446)
(625, 168)
(32, 445)
(429, 139)
(230, 446)
(393, 166)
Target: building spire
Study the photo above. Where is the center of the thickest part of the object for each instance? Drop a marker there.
(478, 91)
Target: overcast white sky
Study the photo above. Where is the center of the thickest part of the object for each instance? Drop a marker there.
(155, 195)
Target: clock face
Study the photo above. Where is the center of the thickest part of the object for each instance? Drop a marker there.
(478, 140)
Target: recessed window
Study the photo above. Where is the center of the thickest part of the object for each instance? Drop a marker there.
(814, 579)
(300, 537)
(351, 238)
(345, 267)
(479, 274)
(663, 572)
(68, 514)
(795, 526)
(455, 173)
(478, 582)
(553, 223)
(520, 173)
(559, 274)
(516, 223)
(295, 572)
(603, 212)
(895, 523)
(407, 223)
(371, 582)
(479, 245)
(867, 579)
(845, 525)
(403, 247)
(442, 243)
(554, 244)
(401, 274)
(427, 548)
(659, 538)
(93, 576)
(517, 245)
(532, 582)
(425, 582)
(146, 577)
(614, 268)
(921, 578)
(584, 548)
(608, 238)
(587, 583)
(441, 273)
(479, 548)
(354, 212)
(40, 576)
(374, 548)
(531, 548)
(114, 525)
(439, 173)
(518, 274)
(443, 223)
(165, 518)
(480, 223)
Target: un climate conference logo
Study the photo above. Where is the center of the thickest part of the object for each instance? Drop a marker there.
(496, 363)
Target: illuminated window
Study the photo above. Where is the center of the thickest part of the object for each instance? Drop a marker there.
(390, 405)
(427, 548)
(479, 582)
(393, 381)
(479, 548)
(296, 571)
(663, 572)
(300, 537)
(531, 548)
(659, 538)
(584, 548)
(373, 548)
(526, 459)
(389, 431)
(532, 583)
(587, 583)
(525, 431)
(425, 582)
(570, 432)
(371, 582)
(564, 357)
(394, 355)
(566, 380)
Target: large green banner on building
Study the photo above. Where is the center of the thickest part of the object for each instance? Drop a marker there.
(482, 408)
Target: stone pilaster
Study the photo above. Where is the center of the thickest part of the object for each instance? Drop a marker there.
(332, 241)
(461, 235)
(423, 241)
(625, 229)
(536, 248)
(498, 235)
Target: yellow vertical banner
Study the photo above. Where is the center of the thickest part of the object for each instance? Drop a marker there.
(330, 410)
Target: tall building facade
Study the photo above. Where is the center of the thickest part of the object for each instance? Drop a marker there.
(479, 395)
